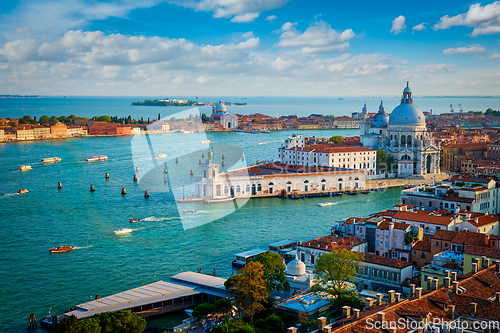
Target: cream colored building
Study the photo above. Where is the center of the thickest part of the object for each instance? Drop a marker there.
(41, 132)
(25, 133)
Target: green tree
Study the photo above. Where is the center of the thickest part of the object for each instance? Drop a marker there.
(53, 119)
(250, 288)
(120, 321)
(234, 326)
(203, 310)
(43, 119)
(336, 138)
(67, 325)
(334, 269)
(223, 305)
(89, 325)
(274, 271)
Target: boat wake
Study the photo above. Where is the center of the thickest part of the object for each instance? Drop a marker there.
(82, 247)
(10, 194)
(158, 219)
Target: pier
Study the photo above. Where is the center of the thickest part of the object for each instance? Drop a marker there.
(182, 291)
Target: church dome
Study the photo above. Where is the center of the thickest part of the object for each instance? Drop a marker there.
(381, 119)
(407, 113)
(221, 107)
(296, 267)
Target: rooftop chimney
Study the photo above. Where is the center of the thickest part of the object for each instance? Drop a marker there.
(419, 292)
(455, 287)
(291, 330)
(497, 266)
(346, 311)
(327, 329)
(447, 282)
(379, 299)
(321, 323)
(398, 297)
(451, 307)
(474, 268)
(473, 307)
(355, 313)
(453, 276)
(447, 272)
(391, 295)
(369, 302)
(412, 290)
(429, 283)
(435, 283)
(380, 317)
(497, 296)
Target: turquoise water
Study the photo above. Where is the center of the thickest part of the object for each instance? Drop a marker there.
(33, 280)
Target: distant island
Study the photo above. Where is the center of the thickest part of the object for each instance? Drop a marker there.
(20, 96)
(178, 102)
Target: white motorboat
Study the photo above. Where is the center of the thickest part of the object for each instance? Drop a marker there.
(97, 158)
(123, 231)
(51, 160)
(326, 203)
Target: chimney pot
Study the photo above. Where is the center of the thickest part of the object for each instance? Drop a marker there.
(435, 283)
(369, 302)
(455, 287)
(391, 295)
(497, 266)
(497, 296)
(452, 310)
(412, 290)
(321, 323)
(379, 299)
(346, 311)
(453, 276)
(447, 282)
(474, 307)
(447, 272)
(419, 292)
(380, 317)
(355, 313)
(398, 297)
(486, 262)
(474, 268)
(429, 283)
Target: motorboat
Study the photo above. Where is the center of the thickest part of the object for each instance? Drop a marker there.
(25, 167)
(133, 220)
(205, 142)
(97, 158)
(326, 203)
(189, 211)
(123, 231)
(22, 191)
(222, 200)
(60, 249)
(51, 160)
(161, 156)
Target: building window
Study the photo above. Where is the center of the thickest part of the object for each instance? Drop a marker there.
(312, 259)
(422, 254)
(414, 252)
(437, 243)
(430, 203)
(302, 257)
(386, 244)
(445, 245)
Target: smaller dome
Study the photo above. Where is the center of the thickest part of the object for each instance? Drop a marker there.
(407, 90)
(296, 267)
(221, 107)
(364, 109)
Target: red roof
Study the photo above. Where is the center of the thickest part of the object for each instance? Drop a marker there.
(384, 261)
(332, 243)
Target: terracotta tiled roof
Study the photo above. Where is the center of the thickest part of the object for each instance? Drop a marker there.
(332, 243)
(457, 198)
(446, 235)
(470, 238)
(484, 220)
(422, 216)
(397, 225)
(408, 281)
(390, 262)
(422, 246)
(483, 251)
(326, 148)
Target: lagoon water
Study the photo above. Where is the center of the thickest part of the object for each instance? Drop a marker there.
(34, 280)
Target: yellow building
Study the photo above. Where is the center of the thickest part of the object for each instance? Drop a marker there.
(478, 253)
(41, 132)
(59, 130)
(2, 135)
(25, 133)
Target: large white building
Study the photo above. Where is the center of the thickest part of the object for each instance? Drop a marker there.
(403, 134)
(223, 117)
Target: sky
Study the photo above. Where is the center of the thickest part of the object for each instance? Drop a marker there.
(249, 47)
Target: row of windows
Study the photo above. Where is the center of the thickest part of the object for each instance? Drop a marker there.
(378, 273)
(485, 205)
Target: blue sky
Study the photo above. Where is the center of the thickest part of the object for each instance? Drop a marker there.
(249, 47)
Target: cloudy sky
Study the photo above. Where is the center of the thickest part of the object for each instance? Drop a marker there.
(249, 47)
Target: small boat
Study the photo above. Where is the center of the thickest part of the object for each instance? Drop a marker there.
(161, 156)
(51, 160)
(326, 203)
(189, 211)
(22, 191)
(60, 249)
(97, 158)
(123, 231)
(25, 167)
(365, 192)
(352, 192)
(222, 200)
(187, 132)
(205, 142)
(133, 220)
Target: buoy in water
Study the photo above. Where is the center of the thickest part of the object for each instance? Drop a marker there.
(223, 157)
(92, 189)
(106, 176)
(137, 169)
(223, 163)
(135, 178)
(165, 180)
(200, 162)
(243, 157)
(59, 185)
(202, 155)
(165, 169)
(191, 173)
(146, 194)
(176, 160)
(124, 191)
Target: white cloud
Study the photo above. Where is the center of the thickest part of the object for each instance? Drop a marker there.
(470, 49)
(493, 56)
(271, 18)
(246, 45)
(239, 10)
(434, 68)
(320, 37)
(398, 25)
(22, 30)
(247, 35)
(245, 18)
(419, 27)
(204, 79)
(286, 26)
(484, 19)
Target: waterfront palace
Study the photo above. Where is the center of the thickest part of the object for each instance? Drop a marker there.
(403, 135)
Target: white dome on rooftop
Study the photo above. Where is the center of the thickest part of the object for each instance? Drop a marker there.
(221, 107)
(407, 113)
(296, 267)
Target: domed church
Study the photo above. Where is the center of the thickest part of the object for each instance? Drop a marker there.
(403, 134)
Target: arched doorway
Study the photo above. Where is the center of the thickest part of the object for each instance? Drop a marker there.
(229, 124)
(271, 184)
(254, 189)
(306, 185)
(323, 184)
(428, 163)
(289, 186)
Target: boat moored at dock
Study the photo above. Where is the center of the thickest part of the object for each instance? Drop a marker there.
(97, 158)
(51, 160)
(222, 200)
